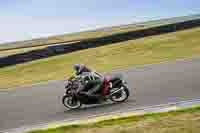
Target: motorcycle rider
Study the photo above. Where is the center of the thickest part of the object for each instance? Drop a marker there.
(80, 69)
(92, 81)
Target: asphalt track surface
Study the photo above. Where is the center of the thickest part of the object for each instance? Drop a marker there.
(149, 85)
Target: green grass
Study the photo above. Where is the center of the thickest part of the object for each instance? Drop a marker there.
(92, 34)
(180, 121)
(147, 50)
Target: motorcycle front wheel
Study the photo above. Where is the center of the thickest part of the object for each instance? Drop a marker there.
(71, 103)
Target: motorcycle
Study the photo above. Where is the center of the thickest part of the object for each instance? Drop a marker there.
(114, 89)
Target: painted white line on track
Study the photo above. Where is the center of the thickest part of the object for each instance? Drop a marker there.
(111, 115)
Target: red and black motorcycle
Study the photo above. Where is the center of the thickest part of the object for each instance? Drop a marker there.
(114, 89)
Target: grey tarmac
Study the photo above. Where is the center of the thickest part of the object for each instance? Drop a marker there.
(149, 85)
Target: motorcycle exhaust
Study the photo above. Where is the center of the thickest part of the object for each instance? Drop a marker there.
(116, 91)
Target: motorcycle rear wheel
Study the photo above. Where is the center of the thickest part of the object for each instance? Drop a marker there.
(120, 96)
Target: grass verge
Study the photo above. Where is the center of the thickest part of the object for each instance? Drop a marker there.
(22, 46)
(147, 50)
(180, 121)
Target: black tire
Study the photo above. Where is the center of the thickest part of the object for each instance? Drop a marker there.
(126, 90)
(65, 103)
